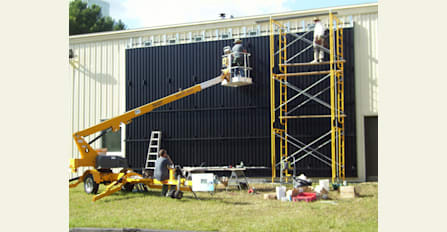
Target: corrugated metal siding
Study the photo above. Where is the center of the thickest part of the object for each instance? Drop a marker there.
(221, 125)
(97, 74)
(197, 125)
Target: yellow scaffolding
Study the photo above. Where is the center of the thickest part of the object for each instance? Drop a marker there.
(282, 130)
(335, 73)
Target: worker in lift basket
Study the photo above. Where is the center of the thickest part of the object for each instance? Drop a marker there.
(161, 172)
(225, 59)
(238, 57)
(318, 41)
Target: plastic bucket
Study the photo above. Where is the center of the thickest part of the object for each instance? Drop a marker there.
(280, 192)
(325, 184)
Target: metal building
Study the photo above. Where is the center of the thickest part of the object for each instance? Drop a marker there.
(100, 77)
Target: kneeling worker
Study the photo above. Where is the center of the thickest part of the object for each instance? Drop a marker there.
(161, 171)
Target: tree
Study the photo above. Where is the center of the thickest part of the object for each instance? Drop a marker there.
(85, 19)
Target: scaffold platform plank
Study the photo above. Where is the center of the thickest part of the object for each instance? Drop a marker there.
(308, 116)
(311, 63)
(303, 73)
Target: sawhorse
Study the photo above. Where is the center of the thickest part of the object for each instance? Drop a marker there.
(236, 174)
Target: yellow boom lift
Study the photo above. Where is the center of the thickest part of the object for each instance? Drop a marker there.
(126, 178)
(101, 165)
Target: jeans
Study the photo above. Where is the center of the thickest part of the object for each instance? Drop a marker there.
(239, 71)
(164, 189)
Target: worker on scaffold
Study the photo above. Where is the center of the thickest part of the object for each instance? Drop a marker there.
(318, 42)
(238, 57)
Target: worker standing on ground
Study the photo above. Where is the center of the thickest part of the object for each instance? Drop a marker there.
(238, 56)
(318, 41)
(161, 171)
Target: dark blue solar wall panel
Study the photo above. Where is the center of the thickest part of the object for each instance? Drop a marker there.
(224, 125)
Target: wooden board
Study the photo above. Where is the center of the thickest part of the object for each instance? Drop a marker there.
(347, 192)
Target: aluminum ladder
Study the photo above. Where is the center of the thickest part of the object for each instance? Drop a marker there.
(154, 148)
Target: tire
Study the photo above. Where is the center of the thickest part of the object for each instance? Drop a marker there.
(90, 186)
(178, 194)
(171, 193)
(128, 187)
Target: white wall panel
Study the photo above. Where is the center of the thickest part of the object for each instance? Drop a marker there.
(97, 74)
(366, 74)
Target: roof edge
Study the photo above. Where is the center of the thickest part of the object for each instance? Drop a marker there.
(125, 33)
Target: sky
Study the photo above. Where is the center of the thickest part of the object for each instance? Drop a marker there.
(146, 13)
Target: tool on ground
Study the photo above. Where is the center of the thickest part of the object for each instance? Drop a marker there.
(252, 190)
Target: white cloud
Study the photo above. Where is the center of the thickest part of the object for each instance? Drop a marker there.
(143, 13)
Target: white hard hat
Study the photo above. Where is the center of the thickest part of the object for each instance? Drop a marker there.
(227, 49)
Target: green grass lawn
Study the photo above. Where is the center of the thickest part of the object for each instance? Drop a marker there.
(225, 211)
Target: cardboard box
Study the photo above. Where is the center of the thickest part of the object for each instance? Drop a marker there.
(347, 192)
(224, 181)
(270, 196)
(295, 192)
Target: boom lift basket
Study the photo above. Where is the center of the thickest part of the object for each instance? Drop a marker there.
(240, 71)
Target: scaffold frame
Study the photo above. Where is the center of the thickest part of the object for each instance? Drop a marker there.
(335, 136)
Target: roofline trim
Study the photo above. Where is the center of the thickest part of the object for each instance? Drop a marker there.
(256, 18)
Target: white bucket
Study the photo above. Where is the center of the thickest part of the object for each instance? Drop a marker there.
(280, 192)
(325, 184)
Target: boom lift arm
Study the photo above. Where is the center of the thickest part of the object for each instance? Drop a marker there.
(88, 154)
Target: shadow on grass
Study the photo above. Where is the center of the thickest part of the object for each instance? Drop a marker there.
(123, 195)
(130, 195)
(213, 198)
(236, 203)
(364, 195)
(259, 190)
(266, 190)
